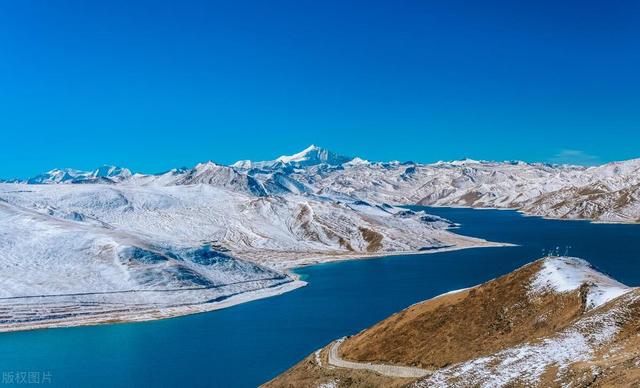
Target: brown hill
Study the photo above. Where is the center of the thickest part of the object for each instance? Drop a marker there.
(551, 322)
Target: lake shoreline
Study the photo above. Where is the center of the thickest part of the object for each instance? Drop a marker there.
(320, 260)
(528, 214)
(271, 334)
(245, 297)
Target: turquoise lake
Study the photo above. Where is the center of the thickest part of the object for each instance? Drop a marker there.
(251, 343)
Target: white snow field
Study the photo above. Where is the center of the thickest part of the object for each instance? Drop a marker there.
(57, 272)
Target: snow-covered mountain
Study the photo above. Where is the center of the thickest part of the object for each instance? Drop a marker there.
(184, 241)
(103, 174)
(605, 193)
(310, 156)
(92, 241)
(63, 267)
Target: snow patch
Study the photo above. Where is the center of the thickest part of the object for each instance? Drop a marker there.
(566, 274)
(525, 364)
(329, 384)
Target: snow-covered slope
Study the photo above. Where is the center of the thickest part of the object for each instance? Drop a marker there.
(606, 193)
(65, 269)
(275, 229)
(567, 274)
(81, 253)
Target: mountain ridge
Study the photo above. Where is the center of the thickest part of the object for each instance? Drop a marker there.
(310, 156)
(606, 193)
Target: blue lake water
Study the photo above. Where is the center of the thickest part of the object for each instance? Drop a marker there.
(248, 344)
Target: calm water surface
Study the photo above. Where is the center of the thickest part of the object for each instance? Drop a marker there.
(248, 344)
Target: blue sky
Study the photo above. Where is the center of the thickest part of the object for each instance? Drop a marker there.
(152, 85)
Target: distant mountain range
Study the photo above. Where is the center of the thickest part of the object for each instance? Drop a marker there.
(111, 244)
(610, 192)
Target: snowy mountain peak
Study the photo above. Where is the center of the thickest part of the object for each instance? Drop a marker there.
(242, 164)
(314, 155)
(55, 176)
(300, 156)
(459, 162)
(208, 166)
(357, 162)
(310, 156)
(112, 172)
(104, 174)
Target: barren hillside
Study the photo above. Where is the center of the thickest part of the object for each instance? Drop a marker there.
(552, 322)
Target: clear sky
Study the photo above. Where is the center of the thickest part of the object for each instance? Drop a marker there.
(152, 85)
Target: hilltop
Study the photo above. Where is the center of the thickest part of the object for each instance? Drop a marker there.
(553, 322)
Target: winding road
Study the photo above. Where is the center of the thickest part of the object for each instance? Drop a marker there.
(383, 369)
